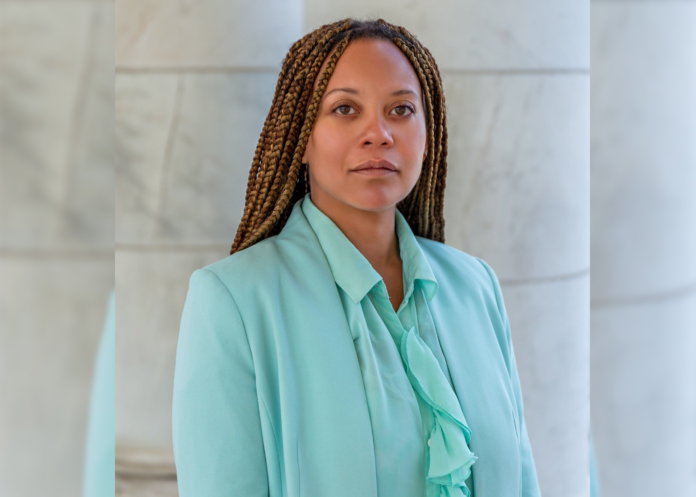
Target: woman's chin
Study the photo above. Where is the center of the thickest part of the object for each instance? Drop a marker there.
(377, 199)
(370, 196)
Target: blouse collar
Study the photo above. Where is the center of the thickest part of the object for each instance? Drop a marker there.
(353, 272)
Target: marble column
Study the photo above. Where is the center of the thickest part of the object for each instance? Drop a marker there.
(190, 105)
(56, 235)
(516, 78)
(644, 247)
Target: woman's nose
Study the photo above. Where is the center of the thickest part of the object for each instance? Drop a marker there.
(377, 131)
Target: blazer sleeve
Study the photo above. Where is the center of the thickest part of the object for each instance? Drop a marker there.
(216, 428)
(530, 484)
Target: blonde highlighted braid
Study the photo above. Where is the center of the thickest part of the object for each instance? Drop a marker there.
(278, 178)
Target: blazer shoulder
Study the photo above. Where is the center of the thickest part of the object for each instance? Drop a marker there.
(254, 264)
(449, 260)
(469, 272)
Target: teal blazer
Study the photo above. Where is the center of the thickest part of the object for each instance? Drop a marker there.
(268, 393)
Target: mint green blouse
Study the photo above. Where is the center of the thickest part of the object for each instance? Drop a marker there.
(419, 432)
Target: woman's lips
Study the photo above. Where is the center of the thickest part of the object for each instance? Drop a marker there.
(374, 171)
(376, 167)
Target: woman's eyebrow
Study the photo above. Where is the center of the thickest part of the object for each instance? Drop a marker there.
(356, 92)
(404, 92)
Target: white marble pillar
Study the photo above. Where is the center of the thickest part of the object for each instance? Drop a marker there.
(190, 106)
(516, 78)
(644, 247)
(194, 82)
(56, 235)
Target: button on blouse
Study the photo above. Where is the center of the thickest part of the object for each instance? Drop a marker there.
(421, 439)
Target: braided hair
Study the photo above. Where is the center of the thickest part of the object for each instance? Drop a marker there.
(278, 178)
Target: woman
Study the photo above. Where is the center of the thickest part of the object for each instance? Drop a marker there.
(343, 350)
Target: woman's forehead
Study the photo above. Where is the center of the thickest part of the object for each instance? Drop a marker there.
(369, 61)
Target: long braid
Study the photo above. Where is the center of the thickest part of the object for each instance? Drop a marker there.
(277, 178)
(424, 184)
(264, 166)
(289, 186)
(293, 113)
(430, 195)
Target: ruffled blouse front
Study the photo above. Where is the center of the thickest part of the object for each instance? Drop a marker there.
(420, 435)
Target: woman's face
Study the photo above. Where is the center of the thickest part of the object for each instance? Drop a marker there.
(372, 110)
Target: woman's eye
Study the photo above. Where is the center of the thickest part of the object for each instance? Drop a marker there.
(342, 109)
(401, 110)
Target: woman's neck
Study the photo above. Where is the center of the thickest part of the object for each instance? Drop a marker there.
(372, 232)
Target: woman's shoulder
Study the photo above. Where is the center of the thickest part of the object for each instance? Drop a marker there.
(473, 278)
(255, 264)
(448, 261)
